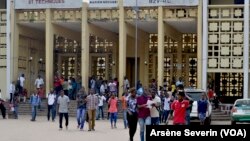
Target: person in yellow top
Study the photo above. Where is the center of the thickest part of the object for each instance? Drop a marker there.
(124, 109)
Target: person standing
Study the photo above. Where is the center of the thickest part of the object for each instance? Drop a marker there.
(143, 112)
(113, 102)
(12, 91)
(132, 114)
(124, 109)
(155, 110)
(2, 107)
(81, 108)
(20, 84)
(51, 105)
(92, 103)
(166, 107)
(125, 84)
(39, 82)
(100, 106)
(35, 102)
(65, 86)
(179, 108)
(63, 109)
(202, 109)
(15, 105)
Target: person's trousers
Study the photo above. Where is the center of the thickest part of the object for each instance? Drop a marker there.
(16, 112)
(132, 124)
(33, 114)
(100, 112)
(51, 111)
(91, 114)
(11, 97)
(80, 115)
(125, 120)
(165, 115)
(143, 122)
(3, 110)
(155, 120)
(66, 116)
(113, 118)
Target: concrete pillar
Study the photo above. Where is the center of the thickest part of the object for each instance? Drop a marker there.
(199, 46)
(160, 52)
(204, 44)
(49, 51)
(179, 61)
(122, 46)
(85, 47)
(114, 60)
(246, 49)
(145, 62)
(14, 51)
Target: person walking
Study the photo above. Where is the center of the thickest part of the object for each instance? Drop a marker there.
(51, 105)
(15, 105)
(92, 103)
(113, 102)
(2, 107)
(124, 109)
(143, 112)
(202, 109)
(12, 90)
(179, 108)
(35, 102)
(63, 109)
(102, 99)
(132, 114)
(155, 110)
(81, 108)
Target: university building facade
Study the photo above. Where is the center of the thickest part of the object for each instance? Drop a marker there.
(202, 41)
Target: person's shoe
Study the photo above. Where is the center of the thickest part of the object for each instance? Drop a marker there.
(93, 129)
(115, 126)
(89, 130)
(32, 120)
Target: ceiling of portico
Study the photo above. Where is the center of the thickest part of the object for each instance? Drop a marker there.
(107, 25)
(38, 26)
(183, 26)
(75, 26)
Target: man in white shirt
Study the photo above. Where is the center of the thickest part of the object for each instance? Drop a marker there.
(51, 105)
(154, 111)
(39, 82)
(100, 106)
(166, 107)
(12, 90)
(21, 80)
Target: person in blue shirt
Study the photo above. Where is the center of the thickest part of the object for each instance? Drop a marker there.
(35, 102)
(202, 109)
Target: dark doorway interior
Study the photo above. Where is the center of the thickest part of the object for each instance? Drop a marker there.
(130, 70)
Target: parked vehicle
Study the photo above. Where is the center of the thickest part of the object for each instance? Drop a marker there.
(195, 96)
(240, 111)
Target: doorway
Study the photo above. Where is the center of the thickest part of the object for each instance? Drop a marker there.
(130, 72)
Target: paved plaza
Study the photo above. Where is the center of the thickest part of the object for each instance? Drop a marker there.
(42, 130)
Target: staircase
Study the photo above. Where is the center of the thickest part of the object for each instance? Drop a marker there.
(218, 115)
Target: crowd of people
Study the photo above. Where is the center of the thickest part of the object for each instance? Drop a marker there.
(153, 105)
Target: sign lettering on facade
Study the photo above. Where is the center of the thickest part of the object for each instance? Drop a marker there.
(103, 3)
(43, 4)
(152, 3)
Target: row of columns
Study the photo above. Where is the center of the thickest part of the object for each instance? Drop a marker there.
(49, 39)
